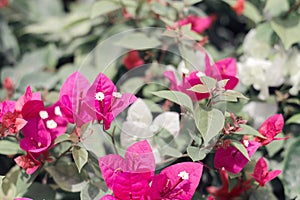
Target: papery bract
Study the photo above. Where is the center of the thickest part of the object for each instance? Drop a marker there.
(104, 101)
(261, 173)
(28, 162)
(223, 193)
(270, 128)
(239, 7)
(6, 106)
(232, 159)
(129, 178)
(28, 96)
(198, 24)
(132, 60)
(178, 181)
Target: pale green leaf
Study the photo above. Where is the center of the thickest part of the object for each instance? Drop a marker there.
(209, 82)
(295, 119)
(176, 97)
(291, 170)
(9, 147)
(191, 2)
(103, 7)
(234, 94)
(158, 8)
(80, 156)
(199, 88)
(40, 191)
(138, 41)
(275, 146)
(287, 30)
(276, 7)
(248, 130)
(240, 147)
(209, 122)
(195, 153)
(91, 192)
(262, 193)
(67, 177)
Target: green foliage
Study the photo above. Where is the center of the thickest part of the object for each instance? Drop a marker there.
(9, 147)
(138, 41)
(80, 156)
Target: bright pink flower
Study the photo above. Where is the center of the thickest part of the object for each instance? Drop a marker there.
(53, 117)
(105, 102)
(129, 178)
(28, 162)
(28, 95)
(270, 128)
(3, 3)
(232, 159)
(126, 14)
(185, 84)
(177, 181)
(71, 98)
(224, 193)
(239, 7)
(132, 60)
(198, 24)
(5, 107)
(36, 137)
(108, 197)
(223, 69)
(261, 173)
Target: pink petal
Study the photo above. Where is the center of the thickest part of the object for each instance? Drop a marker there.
(140, 158)
(227, 66)
(108, 197)
(28, 95)
(271, 127)
(20, 123)
(121, 103)
(188, 186)
(6, 106)
(32, 108)
(171, 76)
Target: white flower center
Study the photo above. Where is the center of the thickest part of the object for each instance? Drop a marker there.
(200, 74)
(185, 70)
(43, 114)
(184, 175)
(117, 94)
(99, 96)
(246, 143)
(51, 124)
(57, 111)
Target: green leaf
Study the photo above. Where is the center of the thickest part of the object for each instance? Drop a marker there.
(275, 146)
(9, 147)
(103, 7)
(232, 95)
(295, 119)
(170, 151)
(248, 130)
(199, 88)
(67, 177)
(287, 30)
(195, 153)
(191, 2)
(176, 97)
(240, 147)
(209, 82)
(51, 57)
(132, 85)
(40, 191)
(291, 170)
(80, 156)
(91, 192)
(209, 122)
(138, 41)
(158, 8)
(262, 193)
(276, 7)
(188, 33)
(62, 138)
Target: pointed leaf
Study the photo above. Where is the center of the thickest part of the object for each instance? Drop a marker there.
(248, 130)
(9, 147)
(80, 156)
(138, 41)
(295, 119)
(241, 148)
(195, 153)
(103, 7)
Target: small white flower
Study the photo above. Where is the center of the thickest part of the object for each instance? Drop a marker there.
(99, 96)
(184, 175)
(57, 111)
(246, 143)
(43, 114)
(51, 124)
(117, 94)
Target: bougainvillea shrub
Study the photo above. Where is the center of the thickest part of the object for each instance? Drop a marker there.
(149, 99)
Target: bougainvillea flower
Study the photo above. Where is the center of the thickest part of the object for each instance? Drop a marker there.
(6, 106)
(53, 118)
(239, 7)
(71, 97)
(187, 82)
(232, 159)
(132, 60)
(177, 181)
(221, 70)
(129, 178)
(3, 3)
(270, 128)
(261, 173)
(28, 162)
(198, 24)
(223, 193)
(28, 96)
(140, 126)
(11, 123)
(105, 102)
(22, 198)
(36, 137)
